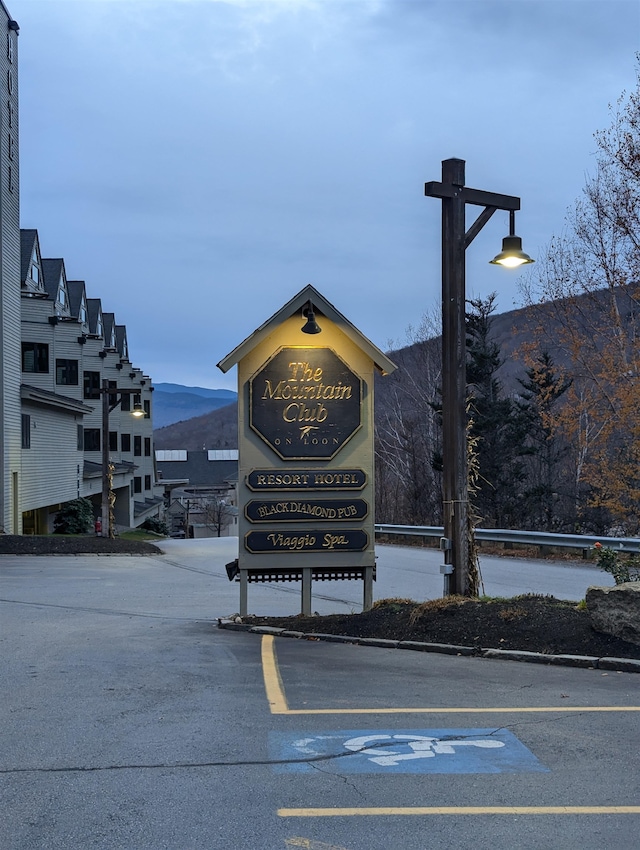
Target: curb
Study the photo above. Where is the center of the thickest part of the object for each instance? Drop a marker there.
(591, 662)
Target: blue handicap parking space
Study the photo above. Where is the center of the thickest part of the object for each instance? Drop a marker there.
(404, 751)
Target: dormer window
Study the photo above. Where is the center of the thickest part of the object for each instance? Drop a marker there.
(35, 273)
(99, 326)
(62, 295)
(82, 314)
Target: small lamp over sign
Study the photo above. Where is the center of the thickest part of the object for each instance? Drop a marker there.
(311, 326)
(512, 254)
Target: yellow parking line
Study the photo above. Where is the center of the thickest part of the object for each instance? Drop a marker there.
(490, 710)
(460, 810)
(310, 844)
(278, 701)
(272, 681)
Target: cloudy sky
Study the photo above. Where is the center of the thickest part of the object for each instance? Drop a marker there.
(197, 162)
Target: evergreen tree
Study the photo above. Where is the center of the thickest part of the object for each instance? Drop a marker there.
(495, 429)
(75, 517)
(545, 495)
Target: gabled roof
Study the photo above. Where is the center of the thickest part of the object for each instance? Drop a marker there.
(76, 290)
(28, 239)
(109, 321)
(321, 307)
(94, 310)
(31, 275)
(52, 271)
(121, 341)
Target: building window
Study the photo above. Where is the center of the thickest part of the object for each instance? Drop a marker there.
(147, 408)
(92, 385)
(137, 446)
(137, 484)
(92, 439)
(80, 438)
(113, 397)
(26, 431)
(147, 446)
(62, 296)
(35, 273)
(125, 442)
(35, 357)
(113, 441)
(67, 372)
(125, 404)
(147, 482)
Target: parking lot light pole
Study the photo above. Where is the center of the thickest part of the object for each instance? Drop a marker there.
(108, 393)
(455, 239)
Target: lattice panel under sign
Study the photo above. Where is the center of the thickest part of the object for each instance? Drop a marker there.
(327, 574)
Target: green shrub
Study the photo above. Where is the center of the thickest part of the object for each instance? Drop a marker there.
(74, 517)
(157, 525)
(622, 570)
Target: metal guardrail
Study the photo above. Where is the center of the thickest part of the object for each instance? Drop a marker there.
(531, 538)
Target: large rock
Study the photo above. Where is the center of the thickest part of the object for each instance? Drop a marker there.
(616, 610)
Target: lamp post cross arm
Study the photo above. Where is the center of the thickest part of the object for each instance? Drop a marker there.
(435, 189)
(119, 392)
(107, 407)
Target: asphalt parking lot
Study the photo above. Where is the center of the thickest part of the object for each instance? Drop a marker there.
(130, 721)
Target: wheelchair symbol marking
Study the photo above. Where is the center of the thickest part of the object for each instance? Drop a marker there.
(421, 746)
(441, 750)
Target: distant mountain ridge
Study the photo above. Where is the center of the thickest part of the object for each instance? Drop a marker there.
(513, 331)
(176, 403)
(206, 392)
(217, 429)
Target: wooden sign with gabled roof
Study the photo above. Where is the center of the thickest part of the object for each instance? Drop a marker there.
(306, 457)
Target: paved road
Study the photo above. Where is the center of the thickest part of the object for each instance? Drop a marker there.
(403, 572)
(129, 721)
(415, 573)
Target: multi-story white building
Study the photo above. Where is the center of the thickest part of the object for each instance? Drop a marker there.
(57, 350)
(10, 452)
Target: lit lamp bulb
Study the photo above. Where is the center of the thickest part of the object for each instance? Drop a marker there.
(512, 254)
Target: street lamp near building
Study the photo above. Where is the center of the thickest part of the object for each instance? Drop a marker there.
(111, 398)
(455, 240)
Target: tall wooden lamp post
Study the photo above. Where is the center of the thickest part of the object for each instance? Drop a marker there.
(455, 239)
(111, 398)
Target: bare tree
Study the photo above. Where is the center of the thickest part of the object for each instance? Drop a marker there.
(217, 514)
(407, 433)
(588, 286)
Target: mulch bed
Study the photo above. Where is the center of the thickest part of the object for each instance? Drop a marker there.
(31, 544)
(531, 623)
